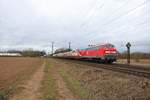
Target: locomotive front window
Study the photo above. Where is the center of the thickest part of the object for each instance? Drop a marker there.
(109, 46)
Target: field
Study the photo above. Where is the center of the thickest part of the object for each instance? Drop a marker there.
(15, 70)
(60, 79)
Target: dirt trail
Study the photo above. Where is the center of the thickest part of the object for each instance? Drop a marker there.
(63, 92)
(30, 89)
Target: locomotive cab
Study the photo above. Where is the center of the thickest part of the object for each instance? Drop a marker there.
(110, 53)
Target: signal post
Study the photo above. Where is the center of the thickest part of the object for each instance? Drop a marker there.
(128, 45)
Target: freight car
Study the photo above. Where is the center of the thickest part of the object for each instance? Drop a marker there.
(103, 53)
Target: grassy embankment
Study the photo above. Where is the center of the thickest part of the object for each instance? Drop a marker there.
(48, 84)
(74, 85)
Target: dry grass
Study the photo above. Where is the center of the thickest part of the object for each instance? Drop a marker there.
(108, 85)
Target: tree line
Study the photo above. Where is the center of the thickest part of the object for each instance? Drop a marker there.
(27, 53)
(134, 55)
(32, 53)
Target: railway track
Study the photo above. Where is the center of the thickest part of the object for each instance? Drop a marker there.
(128, 69)
(133, 71)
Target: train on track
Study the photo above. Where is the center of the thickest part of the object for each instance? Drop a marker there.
(105, 53)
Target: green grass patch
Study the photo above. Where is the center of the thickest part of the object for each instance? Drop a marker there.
(48, 84)
(74, 85)
(5, 93)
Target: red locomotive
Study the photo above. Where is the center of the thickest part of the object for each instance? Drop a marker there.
(103, 53)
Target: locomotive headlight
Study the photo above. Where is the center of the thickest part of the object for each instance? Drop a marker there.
(113, 52)
(107, 52)
(110, 51)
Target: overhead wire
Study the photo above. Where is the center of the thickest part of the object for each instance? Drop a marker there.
(126, 13)
(129, 11)
(101, 6)
(111, 14)
(90, 15)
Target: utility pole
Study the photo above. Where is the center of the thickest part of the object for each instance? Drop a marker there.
(52, 48)
(128, 45)
(69, 45)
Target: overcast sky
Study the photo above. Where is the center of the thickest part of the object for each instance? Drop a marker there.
(36, 23)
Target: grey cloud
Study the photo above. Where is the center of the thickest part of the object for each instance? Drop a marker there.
(36, 23)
